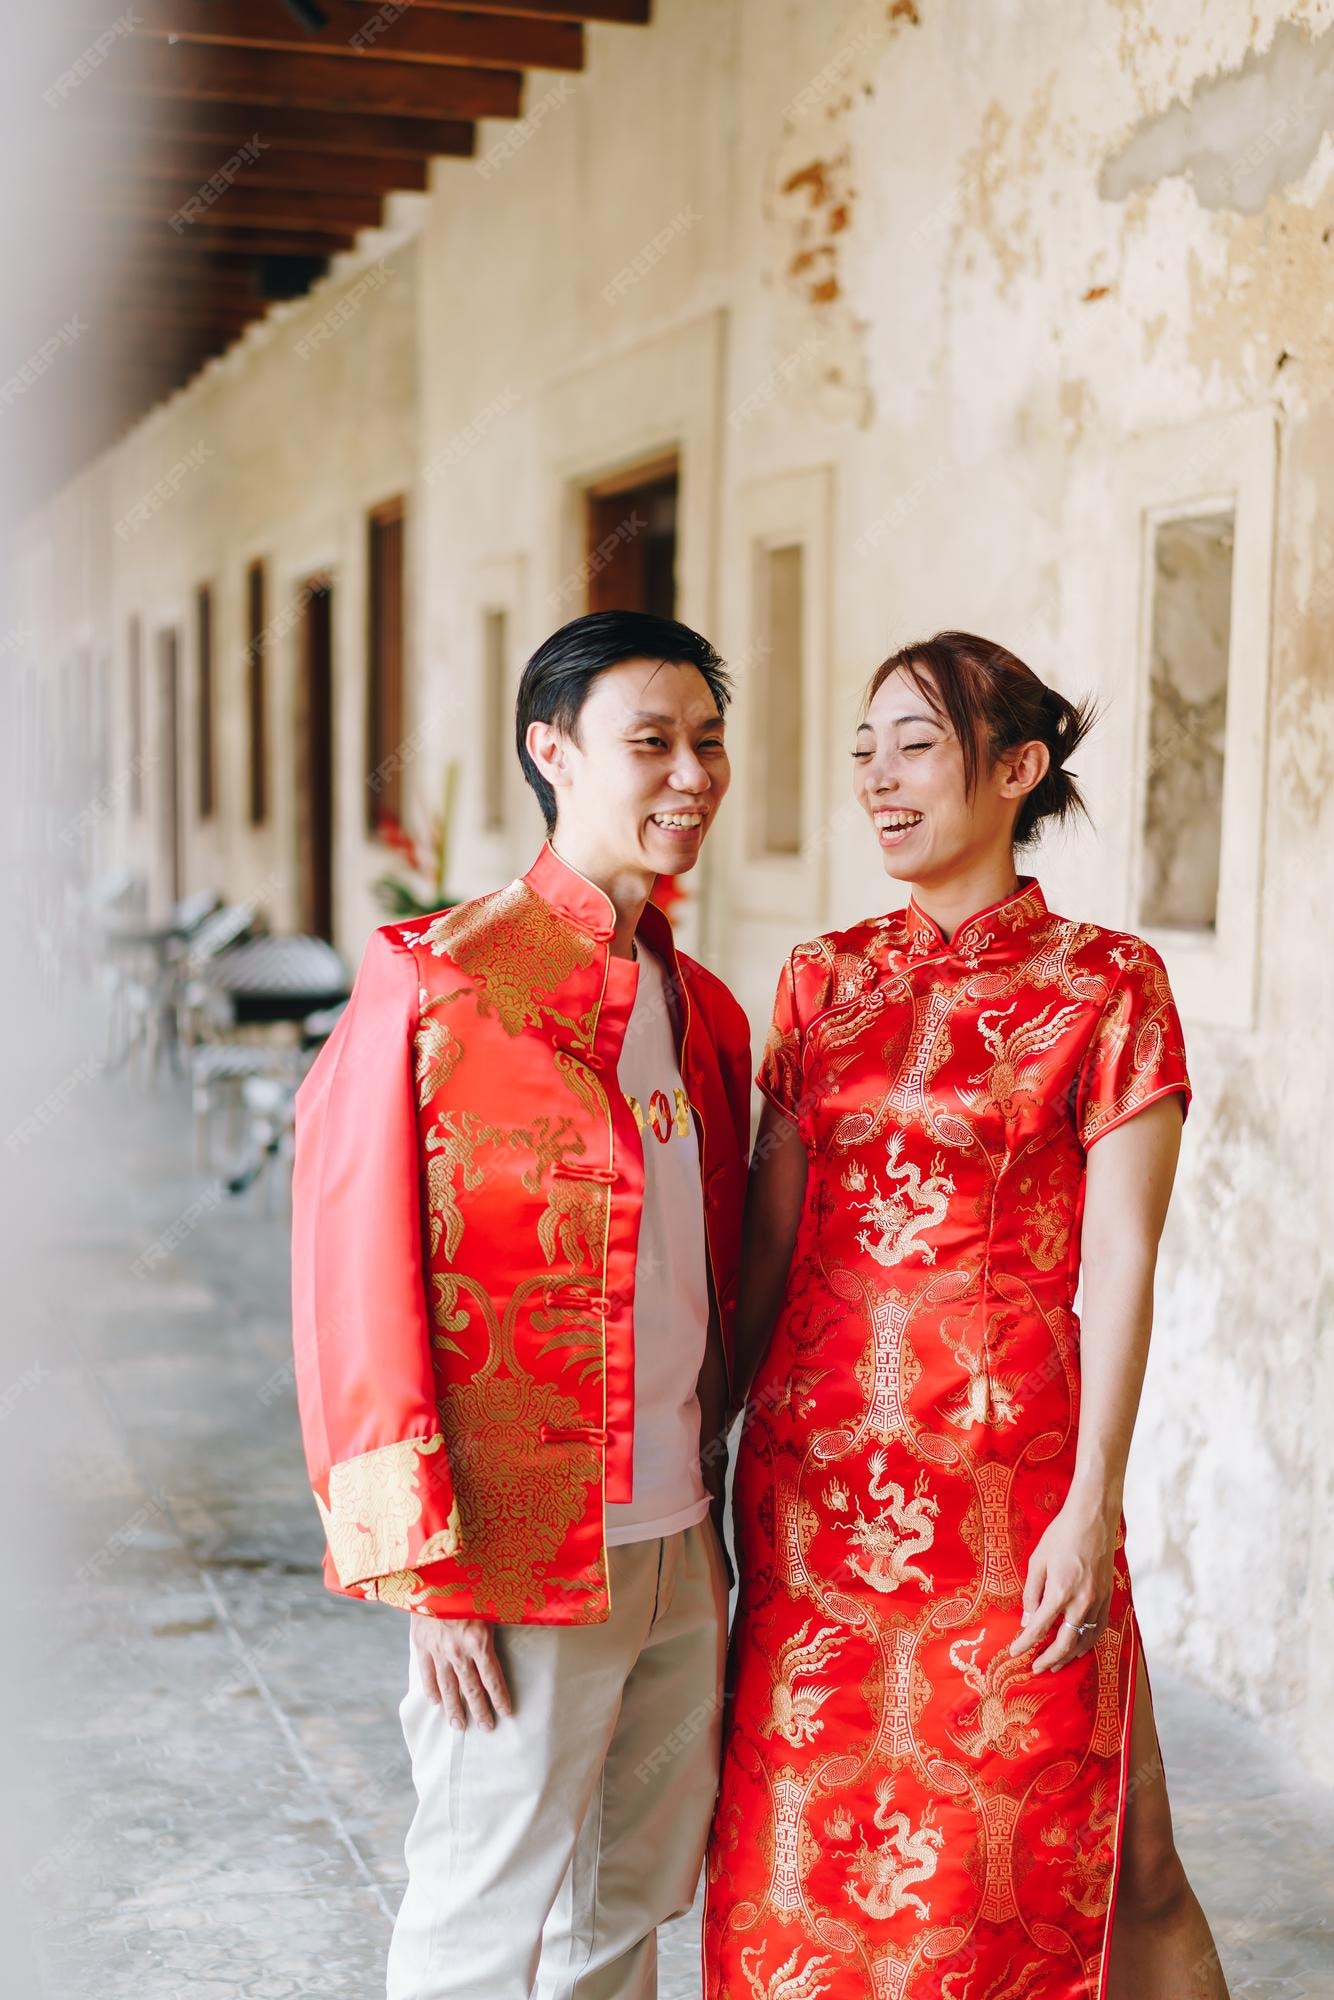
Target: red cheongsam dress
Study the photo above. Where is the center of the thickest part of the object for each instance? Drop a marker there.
(905, 1810)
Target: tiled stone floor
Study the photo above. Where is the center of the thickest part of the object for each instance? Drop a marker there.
(217, 1791)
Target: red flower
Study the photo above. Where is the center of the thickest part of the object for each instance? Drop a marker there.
(667, 893)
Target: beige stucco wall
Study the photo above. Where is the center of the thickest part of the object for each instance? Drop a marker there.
(275, 452)
(928, 275)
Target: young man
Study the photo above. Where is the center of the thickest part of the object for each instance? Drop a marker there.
(519, 1177)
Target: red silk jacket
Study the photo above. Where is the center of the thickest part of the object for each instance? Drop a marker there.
(466, 1200)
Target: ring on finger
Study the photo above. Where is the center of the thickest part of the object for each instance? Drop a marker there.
(1080, 1630)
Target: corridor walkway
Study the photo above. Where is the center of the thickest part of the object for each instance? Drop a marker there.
(231, 1791)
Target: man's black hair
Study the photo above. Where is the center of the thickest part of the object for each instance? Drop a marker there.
(557, 678)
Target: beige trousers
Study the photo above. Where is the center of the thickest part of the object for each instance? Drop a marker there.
(544, 1853)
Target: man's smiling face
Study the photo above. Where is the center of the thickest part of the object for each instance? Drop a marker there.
(640, 781)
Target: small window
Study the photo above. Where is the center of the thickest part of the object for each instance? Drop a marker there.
(206, 774)
(1188, 687)
(256, 650)
(495, 717)
(384, 668)
(134, 709)
(777, 707)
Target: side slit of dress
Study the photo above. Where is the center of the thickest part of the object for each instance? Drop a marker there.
(1137, 1656)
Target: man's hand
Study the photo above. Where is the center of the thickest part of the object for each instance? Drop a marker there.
(456, 1659)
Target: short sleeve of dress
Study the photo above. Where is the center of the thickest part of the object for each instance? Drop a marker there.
(779, 1073)
(1138, 1052)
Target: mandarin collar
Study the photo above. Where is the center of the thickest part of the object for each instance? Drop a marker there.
(591, 909)
(1024, 907)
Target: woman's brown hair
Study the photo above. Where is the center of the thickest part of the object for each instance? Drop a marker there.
(993, 703)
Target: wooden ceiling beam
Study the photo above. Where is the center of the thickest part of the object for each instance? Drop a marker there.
(198, 294)
(231, 287)
(632, 13)
(217, 334)
(199, 72)
(241, 207)
(230, 123)
(415, 34)
(137, 304)
(187, 166)
(155, 353)
(243, 249)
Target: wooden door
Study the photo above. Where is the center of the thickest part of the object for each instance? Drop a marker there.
(315, 779)
(631, 541)
(169, 767)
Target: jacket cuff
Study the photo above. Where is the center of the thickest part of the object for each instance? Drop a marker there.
(390, 1510)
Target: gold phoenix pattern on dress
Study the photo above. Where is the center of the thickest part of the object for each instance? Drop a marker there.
(906, 1812)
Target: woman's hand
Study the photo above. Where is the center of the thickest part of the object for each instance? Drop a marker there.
(1069, 1579)
(1130, 1173)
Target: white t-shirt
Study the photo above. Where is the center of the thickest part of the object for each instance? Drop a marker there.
(671, 1285)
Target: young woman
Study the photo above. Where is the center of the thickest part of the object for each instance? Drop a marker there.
(942, 1775)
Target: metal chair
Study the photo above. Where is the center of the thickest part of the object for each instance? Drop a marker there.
(196, 1011)
(271, 1102)
(151, 954)
(257, 986)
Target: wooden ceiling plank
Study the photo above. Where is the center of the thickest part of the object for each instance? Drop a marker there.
(254, 243)
(175, 308)
(226, 274)
(231, 123)
(193, 71)
(414, 34)
(239, 207)
(228, 261)
(628, 13)
(185, 168)
(203, 295)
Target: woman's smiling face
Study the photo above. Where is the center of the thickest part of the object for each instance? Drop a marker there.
(909, 779)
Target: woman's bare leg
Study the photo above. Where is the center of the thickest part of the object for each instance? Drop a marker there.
(1161, 1946)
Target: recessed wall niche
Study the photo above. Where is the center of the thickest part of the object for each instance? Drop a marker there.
(1182, 827)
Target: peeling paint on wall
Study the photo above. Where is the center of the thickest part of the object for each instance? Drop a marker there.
(1269, 293)
(812, 205)
(996, 181)
(1244, 135)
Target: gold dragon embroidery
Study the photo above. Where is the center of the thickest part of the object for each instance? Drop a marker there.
(888, 1871)
(907, 1211)
(1046, 1235)
(1090, 1843)
(885, 1544)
